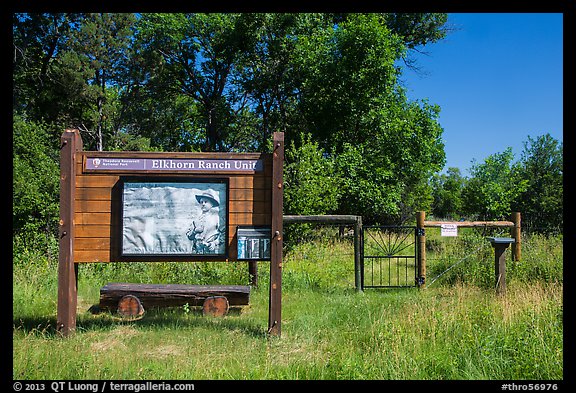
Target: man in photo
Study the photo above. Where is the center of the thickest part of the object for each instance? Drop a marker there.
(205, 230)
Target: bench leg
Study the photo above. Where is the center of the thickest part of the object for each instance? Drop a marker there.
(216, 306)
(130, 307)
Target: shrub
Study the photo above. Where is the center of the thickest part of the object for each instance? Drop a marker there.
(36, 184)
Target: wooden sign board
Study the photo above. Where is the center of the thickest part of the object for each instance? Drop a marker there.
(158, 206)
(140, 206)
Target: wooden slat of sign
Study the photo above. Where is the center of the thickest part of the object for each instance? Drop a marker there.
(162, 155)
(250, 207)
(232, 232)
(256, 182)
(84, 206)
(101, 218)
(92, 243)
(233, 249)
(94, 193)
(92, 256)
(249, 219)
(267, 169)
(96, 181)
(250, 195)
(93, 231)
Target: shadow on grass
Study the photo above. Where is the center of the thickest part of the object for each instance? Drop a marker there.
(154, 318)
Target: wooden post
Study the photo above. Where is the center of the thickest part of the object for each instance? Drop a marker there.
(253, 273)
(500, 267)
(421, 260)
(275, 302)
(67, 270)
(500, 245)
(357, 253)
(517, 235)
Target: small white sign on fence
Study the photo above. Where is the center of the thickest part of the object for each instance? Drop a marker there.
(449, 230)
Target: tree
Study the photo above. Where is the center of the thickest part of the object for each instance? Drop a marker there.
(223, 82)
(68, 69)
(39, 40)
(541, 168)
(101, 46)
(35, 180)
(417, 30)
(194, 55)
(494, 187)
(312, 184)
(269, 73)
(348, 72)
(447, 194)
(353, 106)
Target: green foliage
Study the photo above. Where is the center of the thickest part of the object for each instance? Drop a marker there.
(348, 71)
(493, 187)
(225, 82)
(533, 186)
(386, 177)
(193, 56)
(385, 147)
(65, 65)
(418, 29)
(35, 181)
(540, 257)
(329, 332)
(188, 82)
(312, 185)
(447, 194)
(368, 187)
(541, 203)
(469, 259)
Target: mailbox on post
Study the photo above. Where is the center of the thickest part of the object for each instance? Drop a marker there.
(500, 245)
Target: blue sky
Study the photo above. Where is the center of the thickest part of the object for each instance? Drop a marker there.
(498, 79)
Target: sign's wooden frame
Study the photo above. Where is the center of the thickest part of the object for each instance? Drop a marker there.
(90, 199)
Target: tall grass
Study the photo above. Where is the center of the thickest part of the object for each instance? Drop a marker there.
(456, 329)
(470, 258)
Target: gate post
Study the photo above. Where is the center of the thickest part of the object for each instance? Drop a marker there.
(421, 255)
(357, 253)
(517, 235)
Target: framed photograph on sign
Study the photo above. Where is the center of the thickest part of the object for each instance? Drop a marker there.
(174, 217)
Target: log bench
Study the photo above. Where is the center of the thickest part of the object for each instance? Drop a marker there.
(130, 300)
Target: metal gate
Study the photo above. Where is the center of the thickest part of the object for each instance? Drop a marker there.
(389, 257)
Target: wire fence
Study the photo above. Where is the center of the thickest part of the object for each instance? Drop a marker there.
(319, 255)
(322, 255)
(449, 254)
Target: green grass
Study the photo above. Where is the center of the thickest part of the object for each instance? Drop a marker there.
(456, 329)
